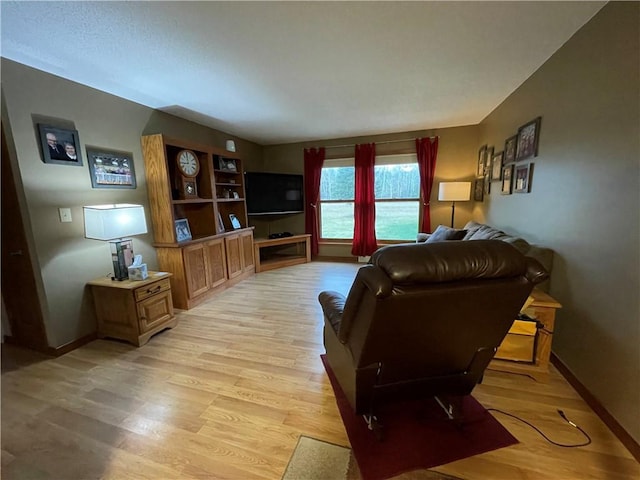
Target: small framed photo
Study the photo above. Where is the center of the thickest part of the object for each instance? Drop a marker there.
(110, 168)
(522, 176)
(227, 164)
(183, 233)
(496, 166)
(510, 145)
(488, 154)
(236, 195)
(235, 223)
(528, 140)
(487, 183)
(60, 146)
(220, 224)
(481, 159)
(507, 172)
(478, 189)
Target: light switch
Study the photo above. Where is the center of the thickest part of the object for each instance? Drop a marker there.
(65, 214)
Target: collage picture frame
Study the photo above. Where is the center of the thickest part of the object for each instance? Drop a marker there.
(111, 168)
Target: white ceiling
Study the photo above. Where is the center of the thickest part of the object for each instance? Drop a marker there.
(281, 72)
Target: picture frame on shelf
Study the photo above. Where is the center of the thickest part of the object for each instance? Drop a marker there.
(481, 159)
(221, 228)
(227, 164)
(507, 173)
(235, 195)
(496, 166)
(60, 146)
(510, 146)
(110, 168)
(528, 135)
(522, 178)
(183, 232)
(478, 189)
(235, 223)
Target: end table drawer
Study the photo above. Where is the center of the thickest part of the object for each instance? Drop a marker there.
(148, 290)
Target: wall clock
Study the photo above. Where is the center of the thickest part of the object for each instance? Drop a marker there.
(188, 169)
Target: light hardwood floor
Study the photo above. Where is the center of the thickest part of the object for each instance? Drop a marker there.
(228, 391)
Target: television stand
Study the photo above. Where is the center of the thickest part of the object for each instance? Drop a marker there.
(273, 253)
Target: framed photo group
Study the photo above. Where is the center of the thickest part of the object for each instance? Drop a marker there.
(107, 168)
(505, 166)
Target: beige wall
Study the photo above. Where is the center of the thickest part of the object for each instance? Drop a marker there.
(584, 202)
(457, 153)
(64, 258)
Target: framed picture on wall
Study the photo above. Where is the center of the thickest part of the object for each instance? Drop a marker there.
(478, 189)
(507, 171)
(496, 166)
(481, 159)
(110, 168)
(60, 145)
(528, 140)
(510, 145)
(522, 178)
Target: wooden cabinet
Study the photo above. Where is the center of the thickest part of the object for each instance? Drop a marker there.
(215, 256)
(239, 248)
(133, 310)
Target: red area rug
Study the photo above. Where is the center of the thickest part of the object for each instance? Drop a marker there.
(417, 435)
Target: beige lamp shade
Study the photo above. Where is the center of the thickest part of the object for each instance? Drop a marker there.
(108, 222)
(454, 191)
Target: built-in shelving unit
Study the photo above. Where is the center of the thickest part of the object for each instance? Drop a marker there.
(217, 252)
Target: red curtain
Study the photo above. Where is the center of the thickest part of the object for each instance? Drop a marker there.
(427, 151)
(364, 231)
(313, 160)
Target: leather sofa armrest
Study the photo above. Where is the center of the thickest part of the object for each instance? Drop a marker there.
(536, 273)
(332, 304)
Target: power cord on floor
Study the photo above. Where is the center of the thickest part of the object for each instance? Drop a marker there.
(561, 413)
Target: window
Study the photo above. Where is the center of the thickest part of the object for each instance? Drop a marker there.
(397, 190)
(336, 199)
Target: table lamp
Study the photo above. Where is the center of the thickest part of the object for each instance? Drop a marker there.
(454, 192)
(114, 222)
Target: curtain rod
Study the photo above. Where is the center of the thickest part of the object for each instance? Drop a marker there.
(377, 143)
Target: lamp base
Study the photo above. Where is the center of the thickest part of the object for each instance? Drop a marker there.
(121, 257)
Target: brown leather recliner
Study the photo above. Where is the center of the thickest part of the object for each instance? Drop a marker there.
(424, 319)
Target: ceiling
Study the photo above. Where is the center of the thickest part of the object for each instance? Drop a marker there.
(283, 72)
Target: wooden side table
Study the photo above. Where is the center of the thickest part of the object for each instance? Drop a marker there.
(133, 310)
(544, 309)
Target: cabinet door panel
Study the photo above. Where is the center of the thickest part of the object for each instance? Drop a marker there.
(154, 311)
(234, 255)
(217, 262)
(195, 264)
(248, 263)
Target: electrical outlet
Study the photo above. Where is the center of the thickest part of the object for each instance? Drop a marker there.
(65, 215)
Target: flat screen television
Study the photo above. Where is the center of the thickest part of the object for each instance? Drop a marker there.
(273, 193)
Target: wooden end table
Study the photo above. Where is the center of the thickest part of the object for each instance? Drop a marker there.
(133, 310)
(543, 308)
